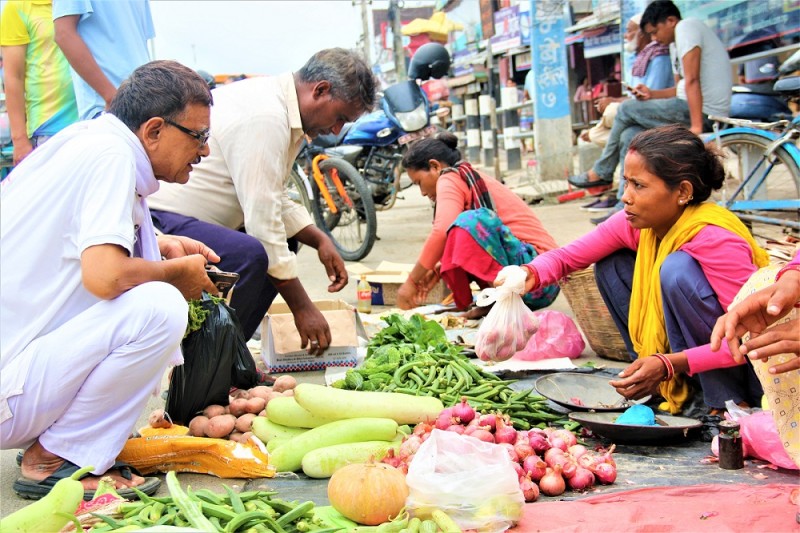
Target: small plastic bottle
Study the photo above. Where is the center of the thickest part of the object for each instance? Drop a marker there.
(364, 296)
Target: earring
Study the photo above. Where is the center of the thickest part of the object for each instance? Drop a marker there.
(681, 202)
(690, 198)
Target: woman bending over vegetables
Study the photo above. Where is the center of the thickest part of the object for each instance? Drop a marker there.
(667, 267)
(479, 227)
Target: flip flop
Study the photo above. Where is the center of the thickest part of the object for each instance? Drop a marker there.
(34, 490)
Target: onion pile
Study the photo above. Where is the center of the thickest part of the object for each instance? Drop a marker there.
(548, 461)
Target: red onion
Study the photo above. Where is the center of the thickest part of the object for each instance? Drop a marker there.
(552, 484)
(456, 428)
(569, 468)
(422, 427)
(577, 450)
(582, 479)
(512, 454)
(558, 442)
(567, 436)
(410, 445)
(463, 411)
(606, 473)
(529, 489)
(489, 420)
(504, 432)
(538, 442)
(587, 460)
(445, 419)
(523, 449)
(534, 467)
(605, 456)
(519, 470)
(482, 434)
(554, 456)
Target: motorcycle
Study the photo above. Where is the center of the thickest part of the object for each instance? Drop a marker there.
(376, 142)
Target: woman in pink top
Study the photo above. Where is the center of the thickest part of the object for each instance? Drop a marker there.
(479, 227)
(667, 267)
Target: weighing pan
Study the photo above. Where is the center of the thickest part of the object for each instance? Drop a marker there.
(668, 428)
(593, 392)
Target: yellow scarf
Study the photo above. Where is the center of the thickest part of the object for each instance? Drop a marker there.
(646, 317)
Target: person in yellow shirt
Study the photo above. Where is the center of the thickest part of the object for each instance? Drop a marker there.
(39, 95)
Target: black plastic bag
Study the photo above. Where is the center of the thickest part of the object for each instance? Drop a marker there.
(216, 358)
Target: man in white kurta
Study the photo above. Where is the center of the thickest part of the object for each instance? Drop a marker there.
(90, 314)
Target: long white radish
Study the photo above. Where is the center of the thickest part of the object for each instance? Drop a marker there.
(288, 457)
(286, 411)
(323, 462)
(329, 402)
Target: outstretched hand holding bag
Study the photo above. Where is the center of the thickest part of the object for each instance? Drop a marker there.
(510, 324)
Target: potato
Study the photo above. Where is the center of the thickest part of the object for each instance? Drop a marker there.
(288, 392)
(254, 405)
(260, 391)
(220, 426)
(238, 407)
(159, 419)
(198, 425)
(245, 436)
(213, 410)
(244, 422)
(272, 395)
(284, 383)
(240, 393)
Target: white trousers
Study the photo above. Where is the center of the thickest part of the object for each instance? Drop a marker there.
(91, 378)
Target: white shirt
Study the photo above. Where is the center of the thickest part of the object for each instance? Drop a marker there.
(256, 133)
(716, 81)
(76, 191)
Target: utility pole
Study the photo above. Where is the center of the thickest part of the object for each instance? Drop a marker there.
(365, 29)
(399, 54)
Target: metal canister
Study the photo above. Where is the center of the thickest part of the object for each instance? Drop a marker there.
(730, 446)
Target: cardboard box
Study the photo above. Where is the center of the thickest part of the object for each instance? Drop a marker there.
(280, 341)
(386, 280)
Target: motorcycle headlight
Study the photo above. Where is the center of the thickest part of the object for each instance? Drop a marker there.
(413, 120)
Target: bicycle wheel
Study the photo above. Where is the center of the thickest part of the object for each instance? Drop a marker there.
(354, 227)
(296, 189)
(744, 152)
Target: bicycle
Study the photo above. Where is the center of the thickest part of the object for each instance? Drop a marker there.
(762, 161)
(339, 199)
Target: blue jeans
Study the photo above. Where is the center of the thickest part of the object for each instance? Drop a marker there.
(634, 116)
(691, 309)
(240, 253)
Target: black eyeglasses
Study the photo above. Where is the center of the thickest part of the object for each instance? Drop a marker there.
(201, 136)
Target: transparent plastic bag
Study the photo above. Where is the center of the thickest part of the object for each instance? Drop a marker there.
(509, 324)
(472, 481)
(557, 336)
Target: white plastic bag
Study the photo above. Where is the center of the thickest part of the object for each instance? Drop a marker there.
(472, 481)
(510, 324)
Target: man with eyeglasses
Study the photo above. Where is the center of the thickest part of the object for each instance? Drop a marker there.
(236, 201)
(90, 314)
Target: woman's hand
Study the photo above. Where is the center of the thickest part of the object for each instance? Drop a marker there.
(642, 92)
(780, 339)
(755, 313)
(407, 295)
(641, 378)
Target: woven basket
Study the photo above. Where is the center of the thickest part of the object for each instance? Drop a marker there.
(593, 316)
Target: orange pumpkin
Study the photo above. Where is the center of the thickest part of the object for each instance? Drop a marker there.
(368, 493)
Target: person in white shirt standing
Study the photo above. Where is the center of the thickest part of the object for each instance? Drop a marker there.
(90, 313)
(703, 87)
(236, 201)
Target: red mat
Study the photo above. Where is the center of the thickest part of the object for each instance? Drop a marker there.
(693, 508)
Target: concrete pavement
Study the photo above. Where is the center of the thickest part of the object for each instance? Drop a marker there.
(401, 233)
